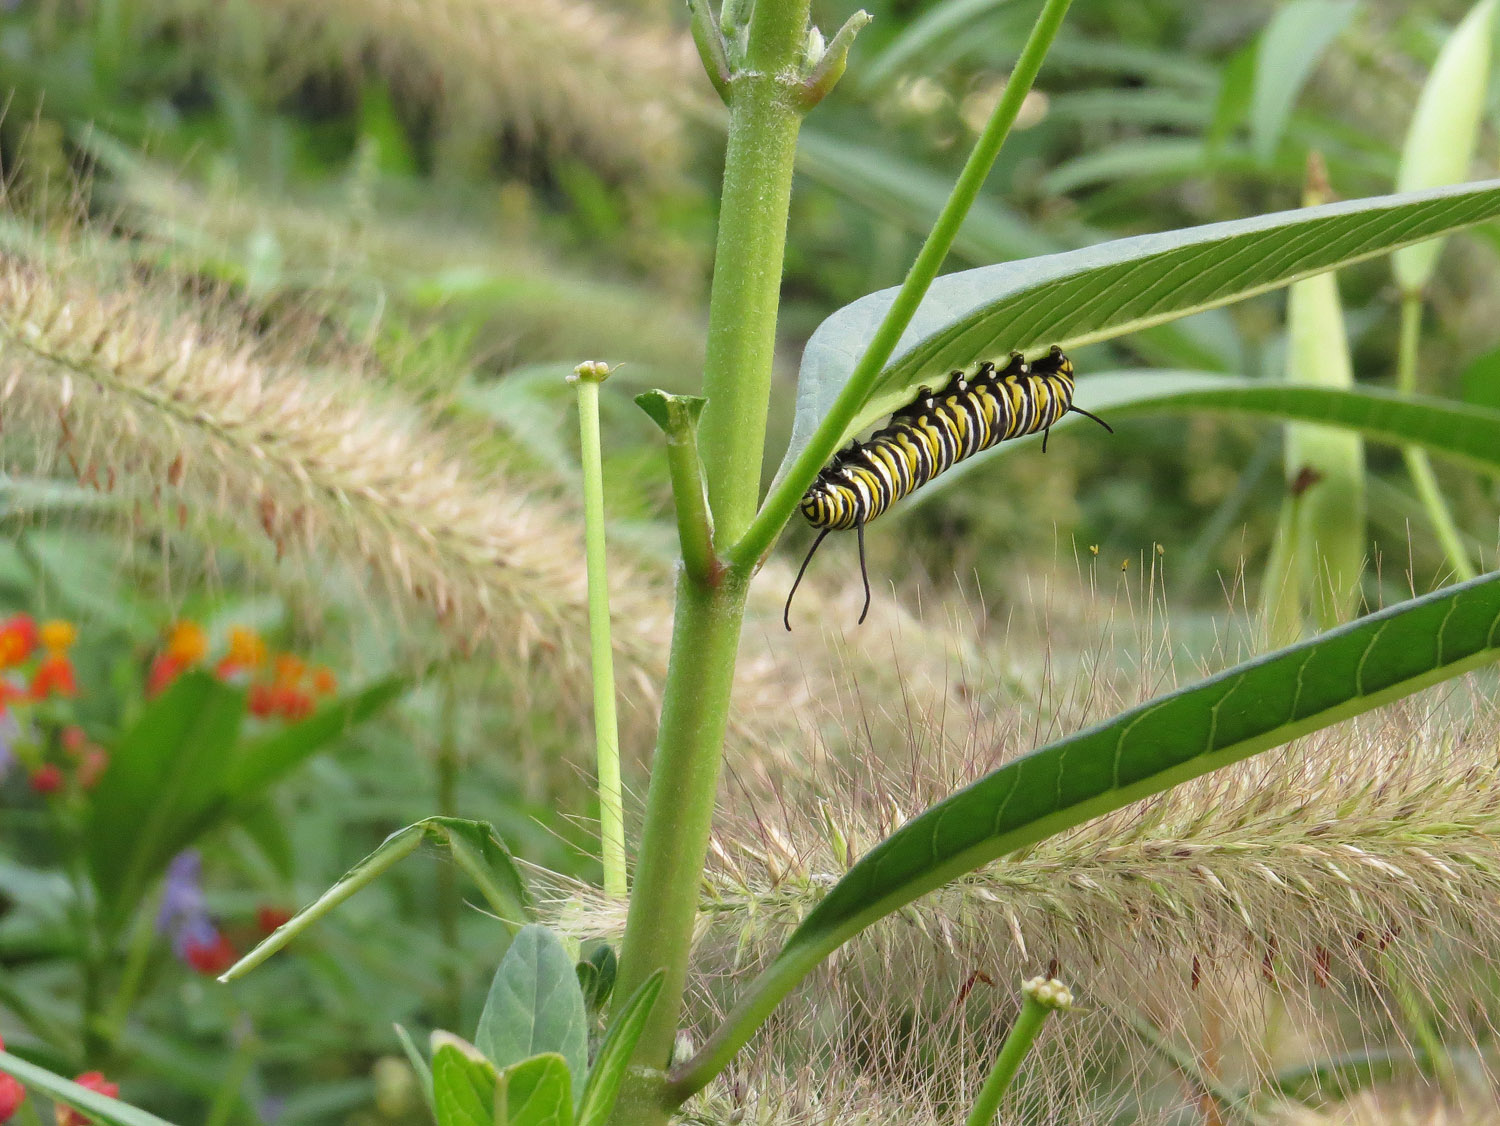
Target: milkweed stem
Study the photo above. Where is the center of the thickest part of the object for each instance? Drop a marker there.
(1042, 997)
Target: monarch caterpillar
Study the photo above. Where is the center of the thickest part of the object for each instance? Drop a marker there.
(976, 410)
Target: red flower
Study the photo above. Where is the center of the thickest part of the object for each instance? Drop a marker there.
(165, 668)
(74, 740)
(46, 779)
(18, 637)
(12, 1094)
(94, 1081)
(269, 918)
(53, 676)
(209, 958)
(292, 703)
(262, 701)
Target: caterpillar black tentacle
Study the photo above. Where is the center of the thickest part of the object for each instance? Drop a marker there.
(976, 410)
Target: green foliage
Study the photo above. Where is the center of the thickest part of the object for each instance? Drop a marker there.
(535, 1005)
(113, 1112)
(613, 1056)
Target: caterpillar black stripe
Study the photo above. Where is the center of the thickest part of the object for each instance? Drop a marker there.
(976, 410)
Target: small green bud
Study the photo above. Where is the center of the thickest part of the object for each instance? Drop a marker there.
(1048, 992)
(816, 48)
(595, 371)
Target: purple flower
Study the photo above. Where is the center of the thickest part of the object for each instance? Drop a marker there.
(184, 910)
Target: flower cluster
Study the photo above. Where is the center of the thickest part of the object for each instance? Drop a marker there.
(39, 654)
(281, 685)
(36, 671)
(12, 1095)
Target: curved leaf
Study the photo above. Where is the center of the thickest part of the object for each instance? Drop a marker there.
(1099, 292)
(463, 1083)
(1247, 709)
(474, 846)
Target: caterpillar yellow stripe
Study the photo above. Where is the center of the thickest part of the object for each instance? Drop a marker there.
(977, 409)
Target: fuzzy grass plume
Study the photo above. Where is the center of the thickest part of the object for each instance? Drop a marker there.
(566, 75)
(1341, 893)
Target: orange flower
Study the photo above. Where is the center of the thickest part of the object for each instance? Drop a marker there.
(17, 639)
(53, 676)
(57, 636)
(324, 683)
(94, 1081)
(47, 779)
(187, 643)
(9, 690)
(289, 668)
(247, 651)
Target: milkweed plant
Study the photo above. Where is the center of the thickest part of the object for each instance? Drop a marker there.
(568, 1037)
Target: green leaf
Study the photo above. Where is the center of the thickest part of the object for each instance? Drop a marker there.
(99, 1107)
(535, 1092)
(1466, 434)
(596, 977)
(1247, 709)
(535, 1005)
(262, 761)
(1290, 48)
(463, 1083)
(1105, 291)
(165, 773)
(603, 1085)
(1445, 129)
(474, 846)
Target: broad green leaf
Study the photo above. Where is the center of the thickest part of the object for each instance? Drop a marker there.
(475, 848)
(260, 762)
(1290, 48)
(1105, 291)
(463, 1083)
(1466, 434)
(603, 1085)
(1445, 129)
(535, 1092)
(420, 1066)
(102, 1108)
(1247, 709)
(535, 1005)
(165, 772)
(596, 977)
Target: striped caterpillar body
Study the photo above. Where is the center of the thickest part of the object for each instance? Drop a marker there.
(977, 409)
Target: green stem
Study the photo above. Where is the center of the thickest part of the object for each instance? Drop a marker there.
(606, 725)
(782, 502)
(1417, 462)
(679, 814)
(763, 122)
(764, 117)
(1018, 1042)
